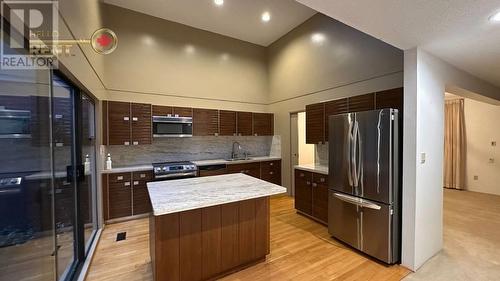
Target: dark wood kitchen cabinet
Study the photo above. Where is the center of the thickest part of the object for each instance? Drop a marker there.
(244, 123)
(183, 111)
(263, 124)
(125, 194)
(126, 123)
(390, 99)
(227, 123)
(141, 123)
(362, 103)
(315, 123)
(251, 169)
(162, 110)
(311, 195)
(271, 171)
(205, 122)
(334, 107)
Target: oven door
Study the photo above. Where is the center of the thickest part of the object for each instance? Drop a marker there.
(179, 127)
(15, 123)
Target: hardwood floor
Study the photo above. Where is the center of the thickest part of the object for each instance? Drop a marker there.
(300, 250)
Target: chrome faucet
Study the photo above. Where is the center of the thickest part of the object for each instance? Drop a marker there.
(234, 155)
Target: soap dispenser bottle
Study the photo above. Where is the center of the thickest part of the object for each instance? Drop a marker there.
(108, 162)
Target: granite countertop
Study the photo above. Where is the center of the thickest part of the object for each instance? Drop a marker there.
(199, 163)
(188, 194)
(315, 168)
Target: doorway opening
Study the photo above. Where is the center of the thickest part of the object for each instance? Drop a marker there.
(300, 151)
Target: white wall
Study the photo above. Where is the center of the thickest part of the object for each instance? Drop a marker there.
(481, 128)
(426, 79)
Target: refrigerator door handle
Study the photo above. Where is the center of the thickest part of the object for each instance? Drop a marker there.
(349, 154)
(359, 167)
(357, 201)
(354, 153)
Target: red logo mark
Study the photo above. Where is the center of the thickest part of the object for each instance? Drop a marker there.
(104, 40)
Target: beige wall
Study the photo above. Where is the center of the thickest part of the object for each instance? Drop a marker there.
(481, 127)
(347, 63)
(170, 63)
(306, 151)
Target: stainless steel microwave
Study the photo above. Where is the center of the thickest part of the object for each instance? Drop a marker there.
(172, 126)
(15, 123)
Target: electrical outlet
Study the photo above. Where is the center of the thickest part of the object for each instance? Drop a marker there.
(493, 143)
(476, 178)
(423, 157)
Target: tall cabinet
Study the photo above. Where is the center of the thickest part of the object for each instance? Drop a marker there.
(126, 123)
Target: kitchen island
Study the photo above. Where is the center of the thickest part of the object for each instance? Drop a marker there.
(205, 228)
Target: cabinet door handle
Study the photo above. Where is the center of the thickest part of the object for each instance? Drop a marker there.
(314, 184)
(135, 119)
(127, 183)
(135, 143)
(271, 164)
(271, 173)
(143, 176)
(255, 134)
(136, 182)
(301, 175)
(234, 134)
(126, 143)
(119, 178)
(216, 134)
(126, 118)
(308, 183)
(322, 180)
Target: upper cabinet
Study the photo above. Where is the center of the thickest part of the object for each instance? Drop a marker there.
(131, 123)
(244, 123)
(227, 123)
(141, 123)
(317, 115)
(126, 123)
(315, 123)
(205, 122)
(263, 124)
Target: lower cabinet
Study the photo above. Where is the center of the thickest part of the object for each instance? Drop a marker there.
(311, 195)
(125, 194)
(251, 169)
(271, 171)
(266, 170)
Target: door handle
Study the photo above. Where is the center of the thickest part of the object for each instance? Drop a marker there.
(314, 184)
(349, 154)
(357, 201)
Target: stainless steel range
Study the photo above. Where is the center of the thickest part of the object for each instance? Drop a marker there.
(174, 170)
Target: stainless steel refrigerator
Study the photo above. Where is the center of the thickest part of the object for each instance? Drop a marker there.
(363, 200)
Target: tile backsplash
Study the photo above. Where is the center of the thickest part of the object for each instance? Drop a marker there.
(194, 148)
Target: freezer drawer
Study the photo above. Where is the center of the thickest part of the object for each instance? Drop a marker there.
(364, 225)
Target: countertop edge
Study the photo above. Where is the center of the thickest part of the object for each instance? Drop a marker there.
(157, 214)
(311, 169)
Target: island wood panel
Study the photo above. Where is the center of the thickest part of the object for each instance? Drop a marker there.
(334, 107)
(141, 203)
(227, 123)
(247, 231)
(165, 247)
(205, 122)
(315, 123)
(229, 236)
(211, 242)
(262, 227)
(362, 103)
(190, 243)
(207, 243)
(118, 123)
(141, 123)
(183, 111)
(263, 124)
(392, 98)
(162, 110)
(244, 123)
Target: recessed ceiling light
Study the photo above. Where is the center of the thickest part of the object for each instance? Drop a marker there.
(495, 17)
(266, 16)
(219, 2)
(318, 38)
